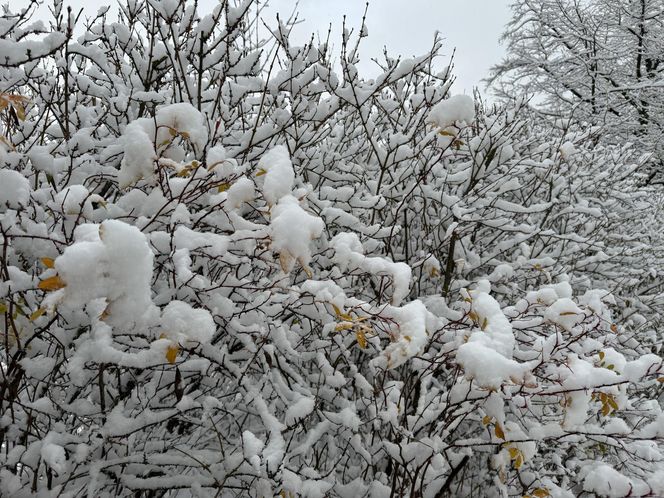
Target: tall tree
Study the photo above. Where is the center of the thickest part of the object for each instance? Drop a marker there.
(596, 62)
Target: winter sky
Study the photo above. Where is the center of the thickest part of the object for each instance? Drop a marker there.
(405, 27)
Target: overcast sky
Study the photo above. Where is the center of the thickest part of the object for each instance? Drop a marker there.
(406, 27)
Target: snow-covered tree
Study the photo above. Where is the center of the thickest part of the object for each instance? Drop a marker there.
(596, 62)
(234, 267)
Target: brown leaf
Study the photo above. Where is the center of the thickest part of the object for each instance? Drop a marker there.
(499, 432)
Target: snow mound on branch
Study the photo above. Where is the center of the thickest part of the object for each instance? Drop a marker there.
(186, 119)
(292, 230)
(279, 177)
(182, 323)
(487, 355)
(112, 261)
(412, 334)
(141, 135)
(139, 153)
(457, 109)
(75, 200)
(14, 189)
(349, 256)
(604, 480)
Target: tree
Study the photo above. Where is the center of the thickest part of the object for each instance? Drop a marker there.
(230, 271)
(598, 63)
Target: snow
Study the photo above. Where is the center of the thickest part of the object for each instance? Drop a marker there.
(279, 177)
(411, 336)
(349, 255)
(54, 455)
(252, 447)
(243, 190)
(111, 261)
(184, 118)
(299, 410)
(604, 480)
(139, 154)
(182, 323)
(564, 312)
(292, 229)
(14, 189)
(458, 109)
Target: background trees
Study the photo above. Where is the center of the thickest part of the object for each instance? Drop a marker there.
(233, 268)
(597, 63)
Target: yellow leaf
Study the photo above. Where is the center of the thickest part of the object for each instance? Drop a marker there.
(612, 402)
(37, 314)
(473, 316)
(3, 309)
(261, 172)
(541, 493)
(361, 339)
(52, 284)
(519, 461)
(172, 353)
(223, 187)
(486, 420)
(601, 355)
(48, 262)
(514, 452)
(446, 133)
(499, 432)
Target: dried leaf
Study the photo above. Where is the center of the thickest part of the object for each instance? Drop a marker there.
(568, 313)
(514, 452)
(485, 323)
(519, 461)
(541, 493)
(614, 328)
(223, 187)
(261, 172)
(486, 420)
(601, 355)
(612, 402)
(37, 314)
(48, 262)
(361, 339)
(3, 309)
(172, 353)
(499, 432)
(52, 284)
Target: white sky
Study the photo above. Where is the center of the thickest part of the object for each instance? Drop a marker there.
(405, 27)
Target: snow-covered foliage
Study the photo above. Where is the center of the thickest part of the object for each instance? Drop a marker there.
(230, 270)
(597, 63)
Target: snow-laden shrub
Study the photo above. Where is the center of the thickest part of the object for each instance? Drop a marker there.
(230, 271)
